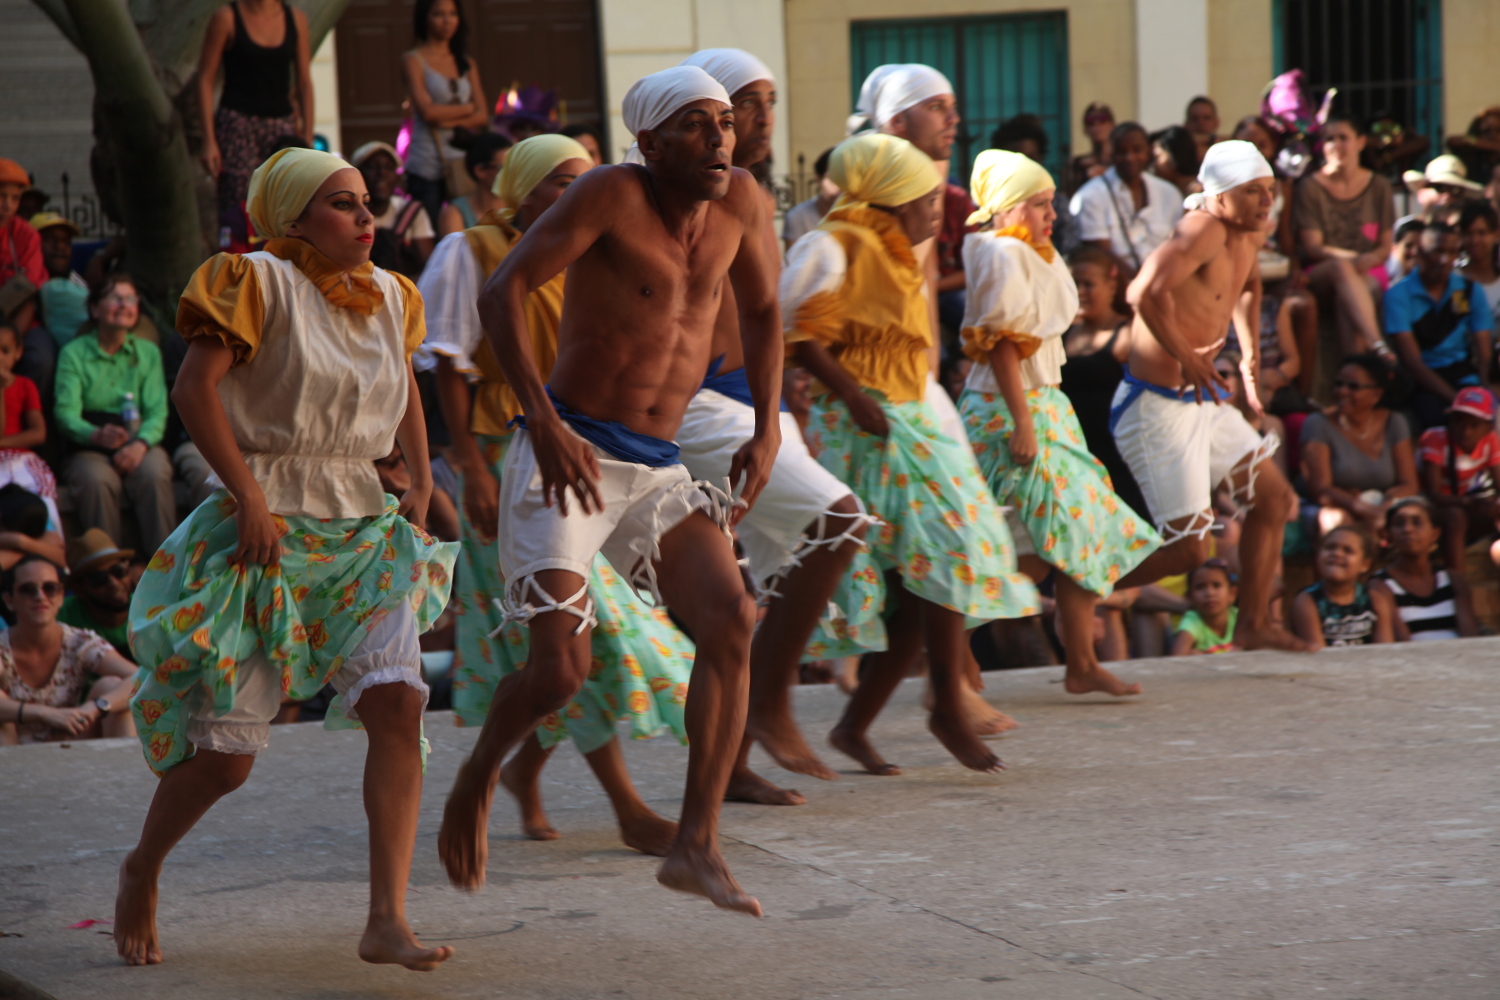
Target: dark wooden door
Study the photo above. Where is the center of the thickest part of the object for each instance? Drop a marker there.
(553, 44)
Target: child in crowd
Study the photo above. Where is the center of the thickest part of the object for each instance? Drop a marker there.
(1404, 249)
(1340, 610)
(1427, 604)
(1460, 470)
(25, 427)
(1209, 627)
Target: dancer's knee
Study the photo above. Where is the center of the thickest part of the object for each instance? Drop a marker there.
(222, 773)
(553, 678)
(727, 625)
(850, 519)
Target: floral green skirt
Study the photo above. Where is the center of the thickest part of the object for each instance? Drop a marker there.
(641, 661)
(1064, 496)
(943, 530)
(195, 616)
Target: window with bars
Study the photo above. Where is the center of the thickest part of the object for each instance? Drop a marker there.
(1000, 66)
(1384, 56)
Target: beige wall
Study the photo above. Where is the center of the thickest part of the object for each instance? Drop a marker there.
(325, 80)
(1471, 60)
(1240, 59)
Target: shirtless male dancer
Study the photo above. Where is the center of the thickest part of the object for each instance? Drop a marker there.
(1179, 442)
(648, 250)
(806, 526)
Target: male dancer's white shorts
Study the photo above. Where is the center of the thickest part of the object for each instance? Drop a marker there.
(641, 504)
(1179, 450)
(772, 532)
(388, 654)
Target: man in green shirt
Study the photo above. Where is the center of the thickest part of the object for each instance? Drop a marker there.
(100, 576)
(94, 373)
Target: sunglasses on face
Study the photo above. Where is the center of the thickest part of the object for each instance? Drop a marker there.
(1339, 383)
(100, 577)
(122, 300)
(49, 589)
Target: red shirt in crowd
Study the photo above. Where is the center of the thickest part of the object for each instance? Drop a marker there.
(1475, 471)
(957, 207)
(20, 396)
(21, 253)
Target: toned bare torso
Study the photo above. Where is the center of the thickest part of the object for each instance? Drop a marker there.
(726, 340)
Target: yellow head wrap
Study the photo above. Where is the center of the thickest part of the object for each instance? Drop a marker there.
(528, 164)
(282, 186)
(878, 169)
(1002, 180)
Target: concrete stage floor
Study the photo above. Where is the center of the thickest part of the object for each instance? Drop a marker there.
(1257, 825)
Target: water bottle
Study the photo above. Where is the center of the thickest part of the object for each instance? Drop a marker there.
(130, 414)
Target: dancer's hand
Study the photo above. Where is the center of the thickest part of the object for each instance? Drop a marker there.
(566, 462)
(753, 463)
(1023, 447)
(1200, 373)
(482, 501)
(867, 414)
(414, 502)
(259, 536)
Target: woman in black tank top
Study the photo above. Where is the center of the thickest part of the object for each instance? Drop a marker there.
(257, 113)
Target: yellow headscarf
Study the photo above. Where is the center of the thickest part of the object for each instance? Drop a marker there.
(1002, 180)
(282, 186)
(528, 164)
(879, 169)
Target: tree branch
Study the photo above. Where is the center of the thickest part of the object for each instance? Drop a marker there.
(59, 16)
(117, 58)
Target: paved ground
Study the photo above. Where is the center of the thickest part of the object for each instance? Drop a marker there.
(1256, 826)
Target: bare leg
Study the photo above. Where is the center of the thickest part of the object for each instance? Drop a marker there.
(392, 714)
(985, 719)
(1304, 309)
(554, 673)
(521, 776)
(183, 796)
(1354, 306)
(701, 582)
(1075, 610)
(115, 724)
(943, 635)
(640, 827)
(1182, 556)
(1260, 553)
(882, 673)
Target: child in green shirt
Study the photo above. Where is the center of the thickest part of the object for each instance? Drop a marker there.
(1209, 628)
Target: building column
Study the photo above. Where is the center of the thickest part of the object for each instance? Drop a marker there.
(1171, 53)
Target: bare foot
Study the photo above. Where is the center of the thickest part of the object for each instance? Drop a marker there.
(960, 741)
(1098, 679)
(781, 738)
(704, 873)
(528, 796)
(985, 719)
(649, 834)
(1269, 637)
(463, 841)
(747, 786)
(855, 745)
(391, 942)
(135, 915)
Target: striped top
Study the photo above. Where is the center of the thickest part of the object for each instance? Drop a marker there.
(1432, 617)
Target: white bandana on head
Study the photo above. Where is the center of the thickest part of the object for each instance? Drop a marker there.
(894, 88)
(655, 98)
(1228, 164)
(736, 69)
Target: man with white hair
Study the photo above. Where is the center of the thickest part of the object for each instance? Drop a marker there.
(1170, 416)
(648, 250)
(807, 526)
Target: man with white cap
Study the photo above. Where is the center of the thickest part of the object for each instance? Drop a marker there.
(648, 250)
(805, 529)
(1180, 443)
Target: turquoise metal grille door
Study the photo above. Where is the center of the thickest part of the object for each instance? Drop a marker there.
(1000, 66)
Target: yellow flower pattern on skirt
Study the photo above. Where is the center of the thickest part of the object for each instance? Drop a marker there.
(641, 661)
(943, 530)
(195, 616)
(1064, 496)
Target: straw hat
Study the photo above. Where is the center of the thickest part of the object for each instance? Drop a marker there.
(1446, 169)
(51, 220)
(94, 549)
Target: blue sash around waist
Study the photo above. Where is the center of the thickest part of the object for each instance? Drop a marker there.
(1138, 388)
(735, 384)
(617, 439)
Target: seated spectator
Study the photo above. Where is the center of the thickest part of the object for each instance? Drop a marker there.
(22, 273)
(1209, 627)
(1202, 123)
(1479, 147)
(1341, 609)
(1356, 455)
(1428, 606)
(99, 572)
(1404, 247)
(403, 231)
(45, 666)
(1441, 325)
(1461, 474)
(1440, 189)
(804, 217)
(1174, 158)
(1479, 230)
(64, 295)
(28, 527)
(588, 137)
(96, 373)
(1127, 211)
(1344, 216)
(482, 161)
(24, 426)
(1026, 135)
(1098, 123)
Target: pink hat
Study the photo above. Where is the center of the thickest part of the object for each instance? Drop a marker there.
(1476, 402)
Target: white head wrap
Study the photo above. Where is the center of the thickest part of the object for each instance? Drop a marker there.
(1227, 165)
(892, 89)
(734, 68)
(655, 98)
